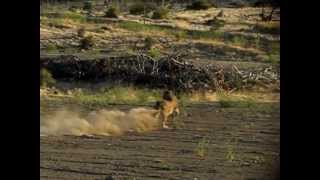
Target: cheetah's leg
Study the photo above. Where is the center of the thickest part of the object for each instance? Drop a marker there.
(164, 120)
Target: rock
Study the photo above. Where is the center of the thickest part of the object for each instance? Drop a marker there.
(163, 40)
(69, 92)
(245, 164)
(106, 28)
(72, 43)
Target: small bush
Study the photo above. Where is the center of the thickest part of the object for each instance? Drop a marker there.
(161, 13)
(154, 53)
(230, 154)
(273, 59)
(141, 8)
(215, 22)
(149, 42)
(98, 30)
(106, 28)
(202, 147)
(57, 23)
(200, 5)
(51, 48)
(73, 8)
(270, 27)
(46, 78)
(239, 41)
(87, 42)
(112, 12)
(81, 32)
(180, 35)
(87, 6)
(238, 4)
(137, 9)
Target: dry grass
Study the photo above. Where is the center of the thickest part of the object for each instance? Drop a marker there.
(142, 96)
(169, 31)
(267, 27)
(230, 156)
(118, 95)
(229, 100)
(202, 147)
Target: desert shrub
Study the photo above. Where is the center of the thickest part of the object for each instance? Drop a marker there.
(202, 148)
(154, 52)
(274, 47)
(270, 27)
(98, 30)
(51, 48)
(215, 22)
(74, 16)
(87, 42)
(236, 81)
(106, 28)
(238, 4)
(149, 42)
(137, 9)
(180, 35)
(56, 22)
(161, 13)
(240, 41)
(141, 8)
(112, 12)
(230, 155)
(87, 6)
(273, 59)
(81, 32)
(200, 5)
(46, 78)
(73, 8)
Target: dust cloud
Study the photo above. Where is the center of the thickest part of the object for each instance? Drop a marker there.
(102, 122)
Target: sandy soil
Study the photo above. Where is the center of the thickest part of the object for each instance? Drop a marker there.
(242, 143)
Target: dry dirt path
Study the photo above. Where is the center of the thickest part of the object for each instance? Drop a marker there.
(243, 144)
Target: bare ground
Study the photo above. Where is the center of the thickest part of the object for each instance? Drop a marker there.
(243, 143)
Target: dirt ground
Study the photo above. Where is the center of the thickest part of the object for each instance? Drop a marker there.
(210, 143)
